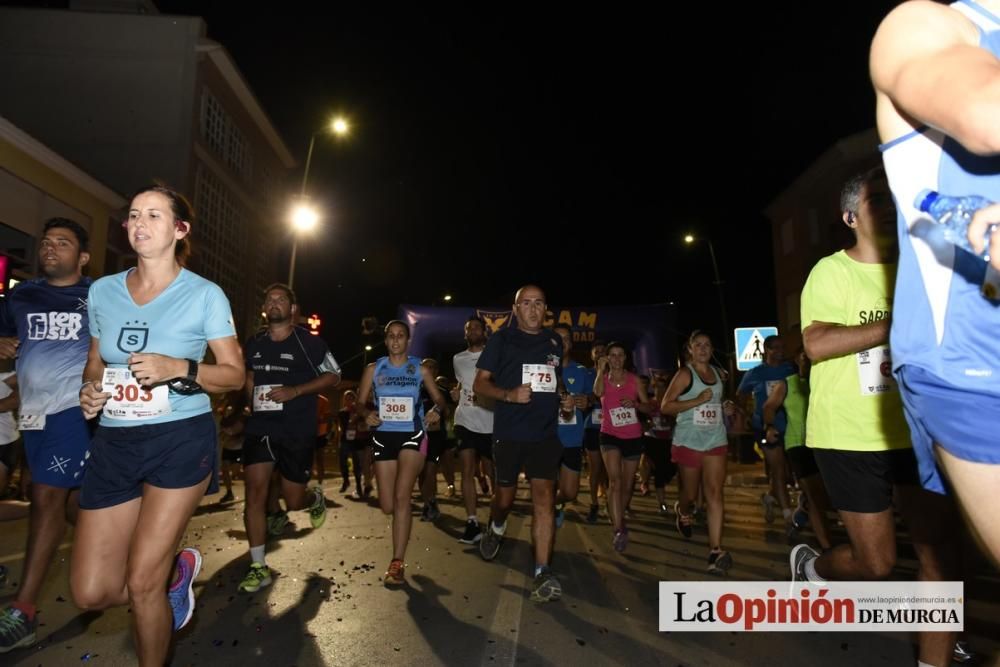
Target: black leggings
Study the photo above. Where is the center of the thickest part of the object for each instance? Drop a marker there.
(658, 452)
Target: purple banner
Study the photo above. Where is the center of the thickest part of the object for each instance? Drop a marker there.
(648, 332)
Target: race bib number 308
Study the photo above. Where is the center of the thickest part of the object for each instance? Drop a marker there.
(395, 408)
(129, 400)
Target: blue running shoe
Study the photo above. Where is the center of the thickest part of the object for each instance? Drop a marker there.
(181, 592)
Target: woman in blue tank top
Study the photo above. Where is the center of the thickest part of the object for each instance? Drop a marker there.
(399, 438)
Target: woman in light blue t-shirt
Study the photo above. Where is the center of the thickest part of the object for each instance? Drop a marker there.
(154, 454)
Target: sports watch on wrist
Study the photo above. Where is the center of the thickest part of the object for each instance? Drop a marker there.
(186, 385)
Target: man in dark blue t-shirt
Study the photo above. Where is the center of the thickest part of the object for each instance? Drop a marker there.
(519, 369)
(44, 323)
(286, 369)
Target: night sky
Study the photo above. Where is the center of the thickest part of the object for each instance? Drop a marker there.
(484, 144)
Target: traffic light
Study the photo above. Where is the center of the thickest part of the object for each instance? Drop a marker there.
(314, 323)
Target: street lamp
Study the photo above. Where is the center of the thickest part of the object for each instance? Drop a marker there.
(304, 217)
(447, 297)
(338, 127)
(691, 239)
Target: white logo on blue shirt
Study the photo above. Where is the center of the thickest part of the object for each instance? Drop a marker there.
(54, 325)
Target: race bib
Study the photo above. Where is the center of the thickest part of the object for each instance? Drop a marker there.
(542, 377)
(395, 408)
(770, 386)
(129, 400)
(597, 416)
(351, 434)
(467, 398)
(875, 371)
(708, 414)
(30, 422)
(567, 422)
(623, 416)
(261, 403)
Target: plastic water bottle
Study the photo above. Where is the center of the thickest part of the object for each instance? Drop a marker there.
(954, 215)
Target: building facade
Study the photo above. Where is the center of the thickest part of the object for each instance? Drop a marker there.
(136, 97)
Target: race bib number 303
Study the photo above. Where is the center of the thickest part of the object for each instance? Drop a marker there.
(129, 400)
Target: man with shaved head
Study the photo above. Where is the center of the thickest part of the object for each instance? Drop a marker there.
(519, 370)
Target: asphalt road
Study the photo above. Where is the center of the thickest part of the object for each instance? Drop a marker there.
(327, 606)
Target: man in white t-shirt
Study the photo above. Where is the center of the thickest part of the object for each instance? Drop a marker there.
(473, 423)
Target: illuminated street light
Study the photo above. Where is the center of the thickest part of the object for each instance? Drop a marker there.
(447, 297)
(304, 217)
(338, 127)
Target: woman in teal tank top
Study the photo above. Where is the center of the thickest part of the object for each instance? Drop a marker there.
(700, 443)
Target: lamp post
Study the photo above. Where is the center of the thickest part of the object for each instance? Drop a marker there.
(690, 239)
(304, 217)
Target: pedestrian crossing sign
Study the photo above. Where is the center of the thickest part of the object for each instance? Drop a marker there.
(750, 346)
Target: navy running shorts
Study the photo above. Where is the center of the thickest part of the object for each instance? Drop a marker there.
(171, 455)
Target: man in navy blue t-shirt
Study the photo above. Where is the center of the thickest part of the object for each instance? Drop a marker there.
(286, 369)
(519, 369)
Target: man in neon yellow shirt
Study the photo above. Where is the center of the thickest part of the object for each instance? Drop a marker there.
(855, 423)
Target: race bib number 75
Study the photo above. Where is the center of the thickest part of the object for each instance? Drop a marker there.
(542, 377)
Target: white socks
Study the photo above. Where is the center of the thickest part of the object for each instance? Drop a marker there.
(257, 554)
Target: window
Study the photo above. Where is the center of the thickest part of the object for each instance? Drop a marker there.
(219, 241)
(224, 138)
